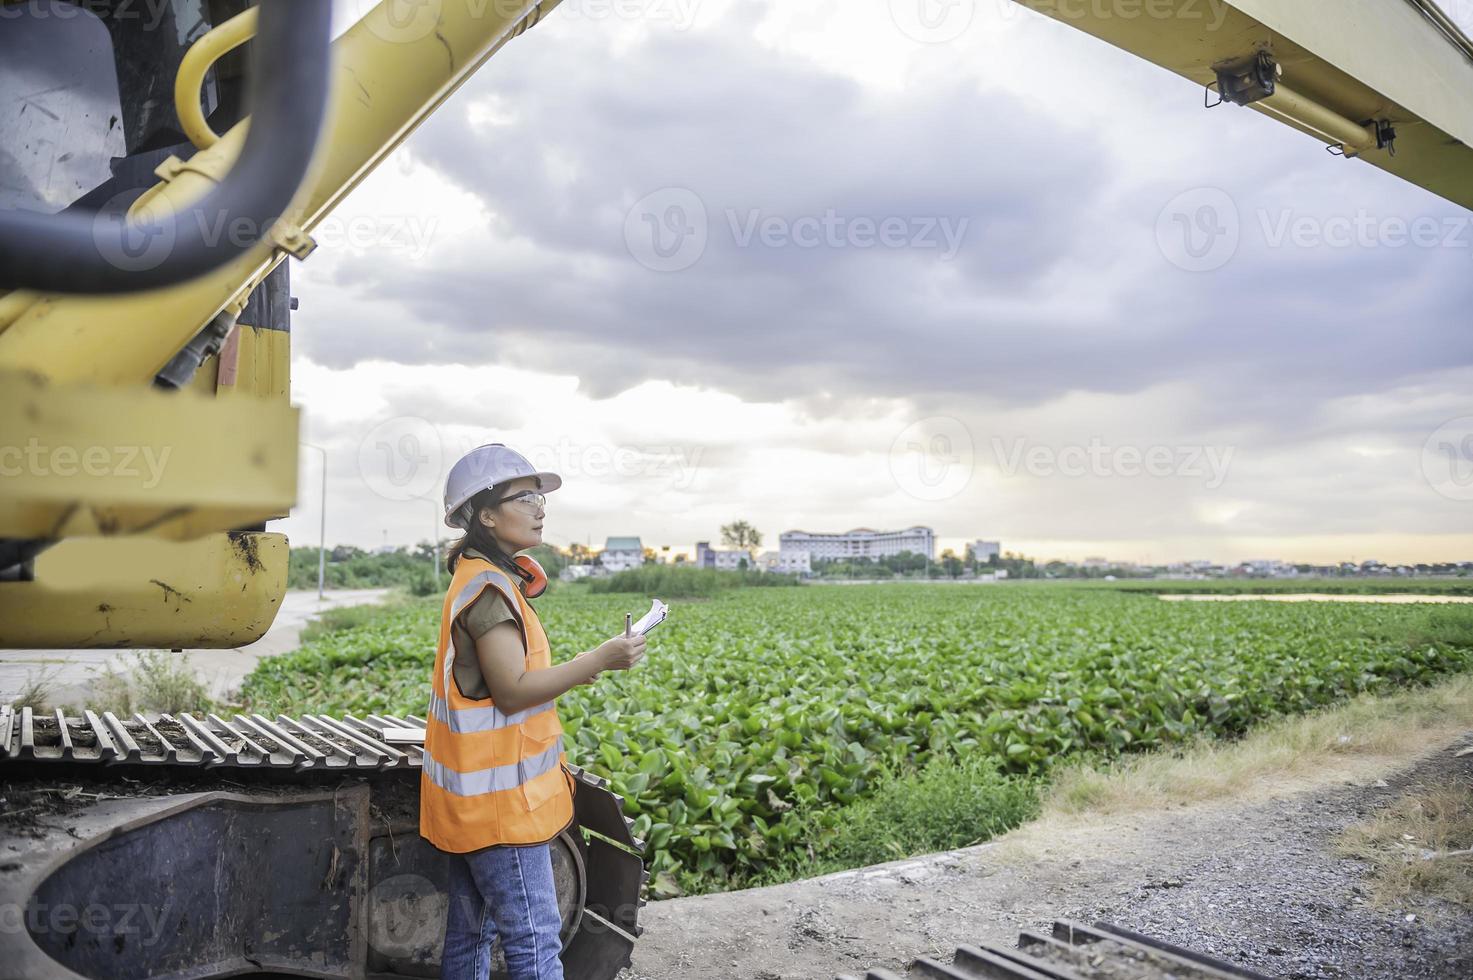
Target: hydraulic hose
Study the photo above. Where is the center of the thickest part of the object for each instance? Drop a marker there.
(101, 253)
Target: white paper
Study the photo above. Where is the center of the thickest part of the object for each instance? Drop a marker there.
(651, 619)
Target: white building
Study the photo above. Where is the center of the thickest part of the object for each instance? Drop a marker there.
(1270, 568)
(984, 550)
(862, 542)
(726, 560)
(622, 553)
(785, 561)
(572, 573)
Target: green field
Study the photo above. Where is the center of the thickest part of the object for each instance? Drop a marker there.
(1323, 586)
(764, 721)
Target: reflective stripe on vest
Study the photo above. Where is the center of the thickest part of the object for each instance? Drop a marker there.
(487, 719)
(495, 779)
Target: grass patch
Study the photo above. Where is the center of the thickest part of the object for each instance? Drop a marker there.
(157, 682)
(1444, 626)
(36, 695)
(1363, 729)
(951, 803)
(1420, 846)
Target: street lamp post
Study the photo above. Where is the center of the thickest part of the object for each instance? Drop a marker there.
(437, 542)
(321, 527)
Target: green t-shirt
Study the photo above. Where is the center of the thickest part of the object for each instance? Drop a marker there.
(488, 609)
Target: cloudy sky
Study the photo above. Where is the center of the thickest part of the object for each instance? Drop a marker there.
(813, 265)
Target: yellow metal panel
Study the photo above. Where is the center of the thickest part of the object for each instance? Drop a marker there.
(254, 362)
(82, 460)
(390, 72)
(219, 591)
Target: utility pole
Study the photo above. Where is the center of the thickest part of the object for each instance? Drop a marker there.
(436, 508)
(321, 527)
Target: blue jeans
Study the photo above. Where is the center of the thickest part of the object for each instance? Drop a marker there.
(507, 891)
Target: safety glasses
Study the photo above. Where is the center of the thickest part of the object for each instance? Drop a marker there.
(529, 499)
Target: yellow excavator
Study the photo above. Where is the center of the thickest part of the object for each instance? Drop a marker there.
(159, 164)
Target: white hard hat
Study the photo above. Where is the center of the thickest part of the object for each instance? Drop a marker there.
(483, 468)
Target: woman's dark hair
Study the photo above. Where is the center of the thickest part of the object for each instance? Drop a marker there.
(478, 536)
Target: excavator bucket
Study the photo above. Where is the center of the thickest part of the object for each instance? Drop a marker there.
(195, 847)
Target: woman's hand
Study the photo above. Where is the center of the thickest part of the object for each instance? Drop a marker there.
(619, 653)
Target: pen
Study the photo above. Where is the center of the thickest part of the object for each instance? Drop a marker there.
(626, 624)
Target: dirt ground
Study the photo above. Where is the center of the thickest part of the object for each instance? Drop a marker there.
(1257, 882)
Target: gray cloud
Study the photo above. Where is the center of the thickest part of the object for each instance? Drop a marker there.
(1012, 319)
(755, 135)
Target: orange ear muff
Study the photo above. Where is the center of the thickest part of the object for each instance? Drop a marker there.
(538, 583)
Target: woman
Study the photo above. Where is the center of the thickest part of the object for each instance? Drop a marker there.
(494, 790)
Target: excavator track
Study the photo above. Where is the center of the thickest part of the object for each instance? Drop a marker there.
(1074, 952)
(194, 847)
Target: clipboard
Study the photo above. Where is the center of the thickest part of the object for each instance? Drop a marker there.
(651, 619)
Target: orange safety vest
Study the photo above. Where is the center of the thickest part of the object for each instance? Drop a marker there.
(489, 777)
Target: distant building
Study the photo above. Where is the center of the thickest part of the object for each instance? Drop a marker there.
(724, 559)
(796, 562)
(1270, 568)
(983, 551)
(862, 542)
(620, 554)
(572, 573)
